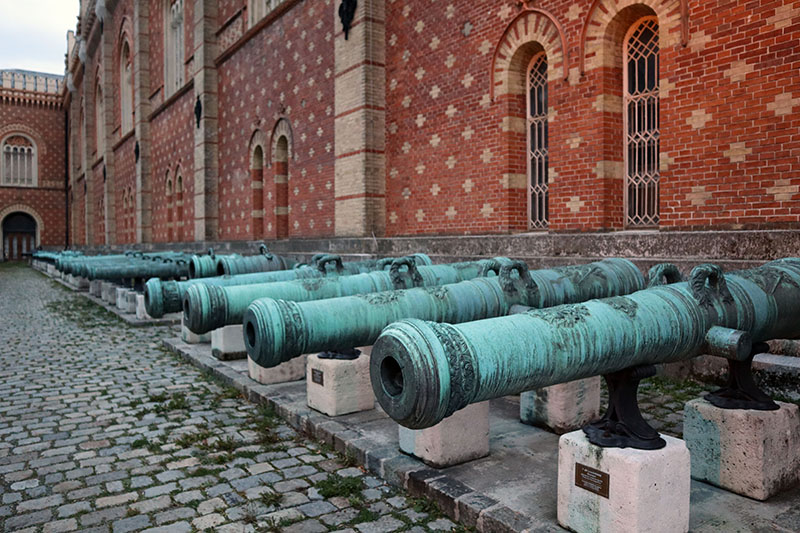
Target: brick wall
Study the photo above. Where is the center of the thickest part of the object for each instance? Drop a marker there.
(285, 72)
(46, 202)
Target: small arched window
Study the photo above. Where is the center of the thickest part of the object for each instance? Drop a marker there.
(258, 9)
(126, 88)
(19, 165)
(538, 162)
(641, 123)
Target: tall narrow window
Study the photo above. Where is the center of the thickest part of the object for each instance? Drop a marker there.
(257, 184)
(99, 121)
(173, 49)
(169, 210)
(126, 88)
(538, 164)
(19, 162)
(641, 123)
(179, 236)
(281, 157)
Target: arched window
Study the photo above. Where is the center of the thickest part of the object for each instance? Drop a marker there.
(99, 120)
(641, 123)
(179, 208)
(281, 157)
(169, 208)
(19, 165)
(126, 88)
(257, 184)
(173, 47)
(538, 203)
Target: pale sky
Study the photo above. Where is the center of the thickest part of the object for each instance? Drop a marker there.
(33, 33)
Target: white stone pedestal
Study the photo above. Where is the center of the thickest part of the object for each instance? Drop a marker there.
(82, 283)
(108, 292)
(51, 270)
(753, 453)
(96, 288)
(227, 343)
(338, 387)
(190, 337)
(462, 436)
(292, 370)
(564, 407)
(622, 489)
(130, 302)
(122, 298)
(141, 310)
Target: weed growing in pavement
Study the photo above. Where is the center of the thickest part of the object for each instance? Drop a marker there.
(336, 485)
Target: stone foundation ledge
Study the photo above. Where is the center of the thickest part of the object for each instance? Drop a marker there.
(513, 489)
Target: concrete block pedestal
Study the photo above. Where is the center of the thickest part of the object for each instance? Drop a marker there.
(122, 298)
(619, 490)
(96, 288)
(339, 387)
(462, 436)
(189, 337)
(108, 292)
(130, 302)
(752, 453)
(292, 370)
(141, 310)
(227, 343)
(564, 407)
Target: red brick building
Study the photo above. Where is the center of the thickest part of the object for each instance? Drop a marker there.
(202, 120)
(32, 163)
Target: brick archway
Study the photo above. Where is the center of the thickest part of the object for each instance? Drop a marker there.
(511, 55)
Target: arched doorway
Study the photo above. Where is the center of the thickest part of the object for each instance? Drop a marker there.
(19, 236)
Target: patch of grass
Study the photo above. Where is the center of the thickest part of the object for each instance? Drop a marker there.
(158, 398)
(336, 485)
(83, 313)
(190, 439)
(423, 505)
(247, 454)
(139, 443)
(227, 444)
(365, 515)
(201, 471)
(271, 498)
(264, 421)
(176, 403)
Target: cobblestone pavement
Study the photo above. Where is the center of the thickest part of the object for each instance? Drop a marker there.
(102, 430)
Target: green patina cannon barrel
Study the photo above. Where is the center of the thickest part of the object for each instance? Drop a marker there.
(163, 297)
(208, 307)
(204, 266)
(275, 331)
(231, 265)
(77, 265)
(164, 267)
(422, 371)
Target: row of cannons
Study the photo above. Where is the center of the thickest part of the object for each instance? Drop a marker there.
(434, 343)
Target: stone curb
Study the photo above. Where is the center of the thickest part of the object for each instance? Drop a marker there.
(457, 500)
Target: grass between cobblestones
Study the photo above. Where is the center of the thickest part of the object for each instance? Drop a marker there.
(101, 429)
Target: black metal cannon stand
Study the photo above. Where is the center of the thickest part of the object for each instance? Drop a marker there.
(350, 354)
(741, 392)
(622, 426)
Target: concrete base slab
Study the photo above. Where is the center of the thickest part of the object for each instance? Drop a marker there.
(292, 370)
(190, 337)
(462, 436)
(618, 490)
(564, 407)
(512, 489)
(753, 453)
(227, 343)
(339, 387)
(96, 288)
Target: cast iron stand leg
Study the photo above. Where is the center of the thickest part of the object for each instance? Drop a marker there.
(741, 392)
(622, 426)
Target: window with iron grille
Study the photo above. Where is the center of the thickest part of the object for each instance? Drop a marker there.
(641, 123)
(538, 201)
